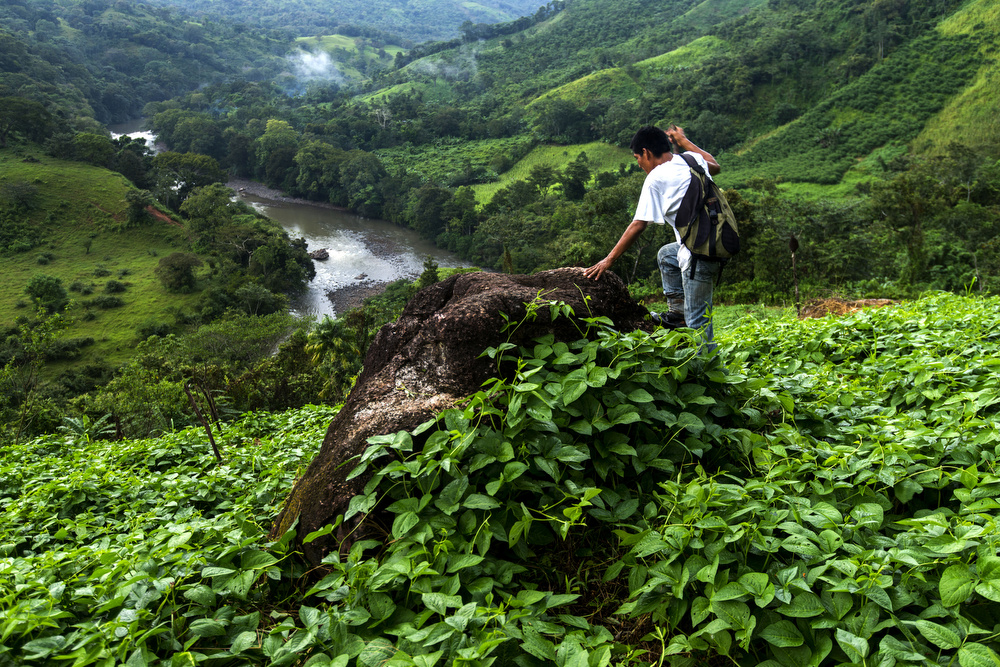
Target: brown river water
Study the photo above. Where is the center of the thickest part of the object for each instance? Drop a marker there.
(365, 254)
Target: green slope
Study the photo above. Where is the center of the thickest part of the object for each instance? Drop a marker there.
(76, 203)
(971, 116)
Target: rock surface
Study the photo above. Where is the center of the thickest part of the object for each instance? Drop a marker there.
(429, 360)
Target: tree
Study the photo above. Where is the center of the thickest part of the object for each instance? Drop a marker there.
(93, 149)
(178, 174)
(138, 202)
(48, 292)
(176, 271)
(19, 116)
(575, 177)
(425, 211)
(360, 177)
(541, 177)
(19, 375)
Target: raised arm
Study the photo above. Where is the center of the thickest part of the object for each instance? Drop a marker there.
(676, 135)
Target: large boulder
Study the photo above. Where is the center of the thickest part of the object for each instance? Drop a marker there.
(430, 359)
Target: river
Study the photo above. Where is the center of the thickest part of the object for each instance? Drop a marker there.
(365, 254)
(136, 130)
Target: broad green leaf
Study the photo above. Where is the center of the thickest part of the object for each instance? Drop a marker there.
(956, 585)
(201, 594)
(640, 395)
(325, 530)
(403, 523)
(938, 635)
(691, 422)
(207, 627)
(782, 633)
(731, 591)
(216, 571)
(735, 614)
(257, 560)
(879, 596)
(440, 603)
(478, 501)
(973, 654)
(243, 641)
(855, 647)
(457, 562)
(537, 645)
(803, 605)
(376, 653)
(868, 515)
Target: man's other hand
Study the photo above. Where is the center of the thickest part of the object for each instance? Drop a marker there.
(597, 270)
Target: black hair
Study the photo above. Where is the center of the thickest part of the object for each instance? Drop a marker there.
(650, 138)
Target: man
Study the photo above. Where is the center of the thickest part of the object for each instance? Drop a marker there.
(689, 294)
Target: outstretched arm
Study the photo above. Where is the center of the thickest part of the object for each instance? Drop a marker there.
(624, 243)
(676, 135)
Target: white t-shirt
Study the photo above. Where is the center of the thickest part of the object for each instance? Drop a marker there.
(661, 196)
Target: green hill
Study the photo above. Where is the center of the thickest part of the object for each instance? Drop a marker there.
(412, 21)
(75, 224)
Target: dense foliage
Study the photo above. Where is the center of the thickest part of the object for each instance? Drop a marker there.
(821, 493)
(105, 60)
(411, 21)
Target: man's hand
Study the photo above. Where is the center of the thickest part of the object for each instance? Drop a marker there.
(597, 270)
(676, 135)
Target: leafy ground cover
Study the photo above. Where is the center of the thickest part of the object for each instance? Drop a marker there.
(825, 497)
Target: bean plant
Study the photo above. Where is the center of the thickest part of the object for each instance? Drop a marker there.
(820, 492)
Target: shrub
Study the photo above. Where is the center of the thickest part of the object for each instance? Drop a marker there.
(152, 328)
(176, 271)
(101, 272)
(81, 287)
(67, 348)
(114, 287)
(48, 292)
(105, 301)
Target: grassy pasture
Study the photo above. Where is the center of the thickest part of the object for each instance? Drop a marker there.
(76, 203)
(971, 117)
(613, 83)
(684, 56)
(602, 156)
(440, 162)
(335, 41)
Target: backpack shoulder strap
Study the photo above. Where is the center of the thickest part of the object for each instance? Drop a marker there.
(693, 164)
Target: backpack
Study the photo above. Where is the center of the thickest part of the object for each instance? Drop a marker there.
(704, 220)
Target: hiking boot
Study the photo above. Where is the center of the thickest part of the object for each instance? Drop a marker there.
(669, 319)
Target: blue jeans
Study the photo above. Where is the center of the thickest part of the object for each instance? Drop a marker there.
(696, 290)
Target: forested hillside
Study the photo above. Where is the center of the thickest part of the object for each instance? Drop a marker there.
(410, 20)
(820, 492)
(104, 61)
